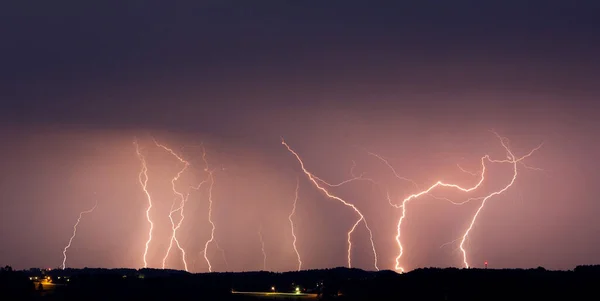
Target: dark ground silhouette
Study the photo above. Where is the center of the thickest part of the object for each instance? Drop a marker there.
(582, 283)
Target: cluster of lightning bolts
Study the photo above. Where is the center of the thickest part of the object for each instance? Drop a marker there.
(178, 209)
(64, 263)
(176, 213)
(320, 185)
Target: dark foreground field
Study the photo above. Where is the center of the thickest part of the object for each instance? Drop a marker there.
(332, 284)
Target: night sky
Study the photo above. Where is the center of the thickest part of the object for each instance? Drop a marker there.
(419, 84)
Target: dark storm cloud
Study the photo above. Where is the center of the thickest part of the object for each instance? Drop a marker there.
(126, 64)
(421, 80)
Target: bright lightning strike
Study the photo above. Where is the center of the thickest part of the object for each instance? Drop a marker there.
(64, 263)
(511, 159)
(143, 179)
(182, 199)
(210, 204)
(292, 225)
(315, 180)
(262, 247)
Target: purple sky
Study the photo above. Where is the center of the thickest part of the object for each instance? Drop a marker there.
(421, 85)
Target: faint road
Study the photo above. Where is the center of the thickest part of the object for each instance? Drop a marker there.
(276, 295)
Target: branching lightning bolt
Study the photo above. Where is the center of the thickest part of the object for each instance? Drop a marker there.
(511, 159)
(262, 248)
(315, 180)
(182, 199)
(143, 179)
(412, 182)
(292, 225)
(466, 171)
(75, 233)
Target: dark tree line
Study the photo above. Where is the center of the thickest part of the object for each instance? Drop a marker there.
(329, 284)
(15, 285)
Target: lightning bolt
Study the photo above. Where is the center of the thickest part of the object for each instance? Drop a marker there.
(511, 159)
(466, 171)
(75, 233)
(222, 253)
(210, 204)
(386, 162)
(262, 247)
(182, 199)
(393, 170)
(143, 179)
(292, 225)
(315, 180)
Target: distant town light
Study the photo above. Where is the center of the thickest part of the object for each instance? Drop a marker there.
(272, 288)
(297, 289)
